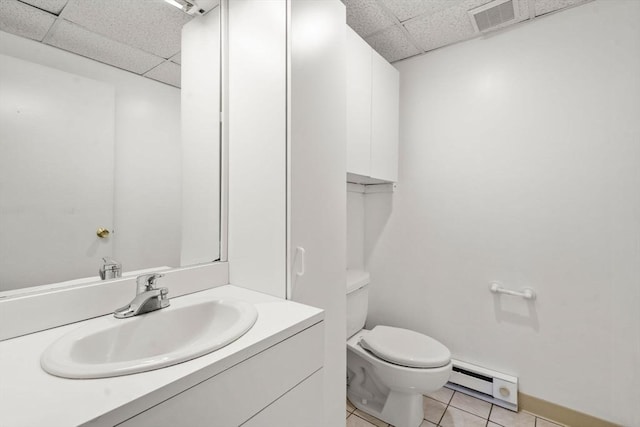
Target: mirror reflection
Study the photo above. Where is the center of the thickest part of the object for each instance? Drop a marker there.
(109, 138)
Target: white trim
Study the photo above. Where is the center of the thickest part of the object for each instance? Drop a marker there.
(355, 188)
(224, 130)
(371, 188)
(380, 188)
(288, 251)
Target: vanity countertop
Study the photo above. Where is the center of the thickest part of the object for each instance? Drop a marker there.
(31, 397)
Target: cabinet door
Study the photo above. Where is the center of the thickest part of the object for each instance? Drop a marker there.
(317, 159)
(384, 119)
(301, 406)
(358, 104)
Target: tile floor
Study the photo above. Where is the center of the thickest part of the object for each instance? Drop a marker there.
(448, 408)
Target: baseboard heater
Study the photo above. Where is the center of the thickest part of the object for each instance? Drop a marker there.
(491, 386)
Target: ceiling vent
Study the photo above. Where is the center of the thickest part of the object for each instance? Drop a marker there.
(494, 15)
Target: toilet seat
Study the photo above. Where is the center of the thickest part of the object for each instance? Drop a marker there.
(405, 347)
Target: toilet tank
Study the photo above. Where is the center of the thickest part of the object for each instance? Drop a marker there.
(357, 300)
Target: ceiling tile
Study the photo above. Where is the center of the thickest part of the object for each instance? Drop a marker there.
(152, 26)
(73, 38)
(392, 44)
(450, 25)
(366, 17)
(167, 72)
(177, 58)
(53, 6)
(407, 9)
(548, 6)
(23, 20)
(444, 27)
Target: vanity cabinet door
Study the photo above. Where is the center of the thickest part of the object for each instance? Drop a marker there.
(302, 406)
(237, 394)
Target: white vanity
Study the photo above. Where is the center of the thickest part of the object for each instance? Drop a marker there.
(270, 375)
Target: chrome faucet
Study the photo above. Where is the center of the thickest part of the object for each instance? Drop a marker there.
(148, 297)
(111, 269)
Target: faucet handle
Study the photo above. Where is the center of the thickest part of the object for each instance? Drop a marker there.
(108, 261)
(110, 269)
(147, 282)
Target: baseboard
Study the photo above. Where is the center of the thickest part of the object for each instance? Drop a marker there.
(559, 413)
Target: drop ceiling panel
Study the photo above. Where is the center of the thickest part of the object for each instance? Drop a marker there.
(152, 26)
(76, 39)
(392, 44)
(407, 9)
(167, 72)
(366, 17)
(23, 20)
(177, 58)
(547, 6)
(53, 6)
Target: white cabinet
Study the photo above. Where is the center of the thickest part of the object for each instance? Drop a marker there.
(373, 92)
(359, 55)
(287, 162)
(234, 396)
(317, 164)
(385, 115)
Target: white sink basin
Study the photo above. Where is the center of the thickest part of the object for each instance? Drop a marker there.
(109, 347)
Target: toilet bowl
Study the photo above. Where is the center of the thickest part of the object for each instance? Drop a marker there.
(389, 369)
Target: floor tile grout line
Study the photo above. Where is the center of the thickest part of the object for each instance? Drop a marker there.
(489, 416)
(442, 416)
(354, 413)
(451, 397)
(469, 412)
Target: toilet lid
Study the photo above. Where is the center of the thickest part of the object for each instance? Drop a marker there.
(405, 348)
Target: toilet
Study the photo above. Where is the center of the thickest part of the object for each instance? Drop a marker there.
(389, 369)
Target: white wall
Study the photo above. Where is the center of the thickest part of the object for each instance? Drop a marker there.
(520, 162)
(147, 154)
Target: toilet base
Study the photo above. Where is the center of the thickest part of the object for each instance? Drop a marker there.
(387, 391)
(399, 410)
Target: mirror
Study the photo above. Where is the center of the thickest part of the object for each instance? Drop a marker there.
(105, 151)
